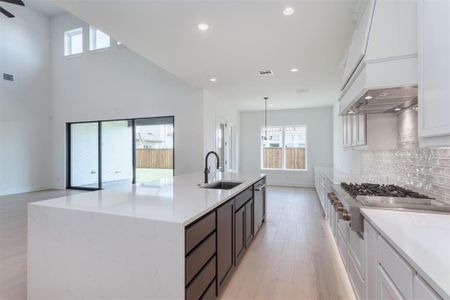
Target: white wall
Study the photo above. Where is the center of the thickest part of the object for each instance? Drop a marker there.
(25, 132)
(117, 83)
(214, 109)
(319, 122)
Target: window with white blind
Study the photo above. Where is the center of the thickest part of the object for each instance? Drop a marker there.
(284, 148)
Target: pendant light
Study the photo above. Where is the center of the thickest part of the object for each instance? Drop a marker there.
(265, 137)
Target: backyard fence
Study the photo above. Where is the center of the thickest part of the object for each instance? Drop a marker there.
(273, 158)
(154, 158)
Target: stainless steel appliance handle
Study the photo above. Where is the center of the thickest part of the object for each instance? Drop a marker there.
(260, 188)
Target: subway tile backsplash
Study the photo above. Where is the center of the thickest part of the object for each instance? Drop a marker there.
(426, 170)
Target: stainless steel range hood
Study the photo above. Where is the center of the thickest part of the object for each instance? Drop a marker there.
(389, 100)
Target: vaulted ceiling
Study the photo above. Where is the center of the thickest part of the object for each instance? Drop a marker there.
(243, 38)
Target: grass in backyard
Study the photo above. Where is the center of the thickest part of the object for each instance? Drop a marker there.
(143, 175)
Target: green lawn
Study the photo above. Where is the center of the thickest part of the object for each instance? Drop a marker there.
(152, 174)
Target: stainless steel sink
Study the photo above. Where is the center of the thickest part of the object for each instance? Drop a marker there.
(221, 185)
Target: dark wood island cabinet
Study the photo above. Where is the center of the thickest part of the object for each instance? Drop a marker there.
(215, 244)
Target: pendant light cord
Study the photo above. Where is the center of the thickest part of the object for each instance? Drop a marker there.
(265, 118)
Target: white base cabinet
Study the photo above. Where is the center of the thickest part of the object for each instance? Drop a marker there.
(423, 291)
(388, 275)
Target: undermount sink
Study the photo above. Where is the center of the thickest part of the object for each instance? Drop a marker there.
(222, 185)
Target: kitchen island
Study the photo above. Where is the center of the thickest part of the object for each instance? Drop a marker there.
(166, 239)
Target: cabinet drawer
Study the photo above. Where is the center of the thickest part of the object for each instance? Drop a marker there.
(243, 197)
(342, 247)
(198, 258)
(396, 268)
(356, 251)
(343, 228)
(355, 278)
(199, 230)
(200, 283)
(210, 293)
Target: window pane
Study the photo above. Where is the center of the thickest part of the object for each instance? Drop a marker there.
(76, 43)
(272, 152)
(84, 155)
(73, 41)
(154, 148)
(102, 39)
(98, 39)
(295, 147)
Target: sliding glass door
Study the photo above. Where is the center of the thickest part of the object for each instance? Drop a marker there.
(105, 153)
(84, 159)
(154, 148)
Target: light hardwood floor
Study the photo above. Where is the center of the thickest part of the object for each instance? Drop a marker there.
(13, 241)
(293, 256)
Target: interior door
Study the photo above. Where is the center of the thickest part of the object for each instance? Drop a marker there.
(222, 137)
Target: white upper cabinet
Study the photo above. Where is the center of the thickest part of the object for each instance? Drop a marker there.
(434, 72)
(360, 37)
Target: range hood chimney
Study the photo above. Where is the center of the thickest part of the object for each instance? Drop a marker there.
(381, 72)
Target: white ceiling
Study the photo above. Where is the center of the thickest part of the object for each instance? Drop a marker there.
(244, 37)
(46, 7)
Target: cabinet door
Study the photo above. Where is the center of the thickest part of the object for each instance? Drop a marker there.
(225, 228)
(239, 233)
(434, 68)
(360, 37)
(355, 119)
(361, 130)
(248, 223)
(423, 291)
(258, 210)
(386, 288)
(370, 249)
(347, 130)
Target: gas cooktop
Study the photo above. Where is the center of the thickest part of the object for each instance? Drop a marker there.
(385, 196)
(380, 190)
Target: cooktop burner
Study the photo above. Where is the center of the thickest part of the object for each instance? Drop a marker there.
(371, 189)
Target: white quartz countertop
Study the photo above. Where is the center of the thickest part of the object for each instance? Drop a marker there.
(423, 239)
(177, 200)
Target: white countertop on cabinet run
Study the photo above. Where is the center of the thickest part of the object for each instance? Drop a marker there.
(178, 199)
(422, 239)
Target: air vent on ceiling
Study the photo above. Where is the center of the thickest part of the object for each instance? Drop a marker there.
(265, 73)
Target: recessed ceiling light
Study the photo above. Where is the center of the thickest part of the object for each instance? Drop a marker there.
(270, 105)
(288, 11)
(293, 70)
(368, 97)
(213, 80)
(397, 109)
(203, 26)
(351, 112)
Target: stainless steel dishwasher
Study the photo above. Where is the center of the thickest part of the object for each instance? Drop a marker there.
(260, 204)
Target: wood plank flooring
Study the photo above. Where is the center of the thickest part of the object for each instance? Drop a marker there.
(13, 240)
(293, 256)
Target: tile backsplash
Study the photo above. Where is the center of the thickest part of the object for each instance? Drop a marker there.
(425, 170)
